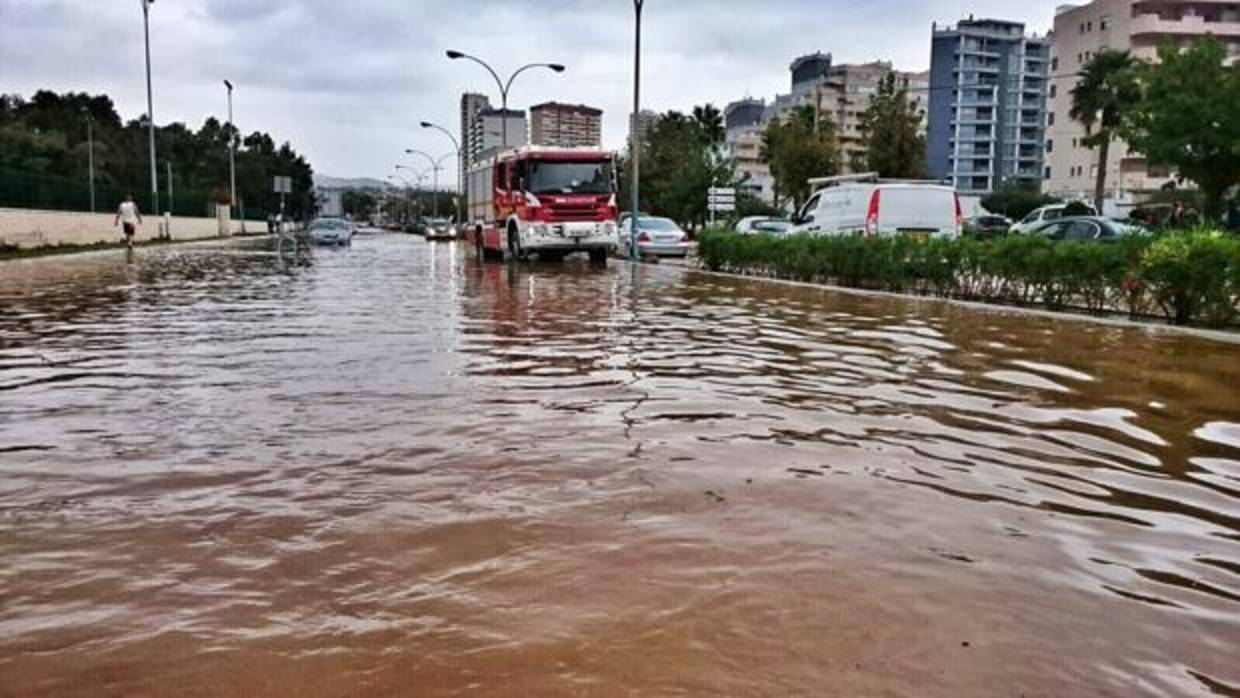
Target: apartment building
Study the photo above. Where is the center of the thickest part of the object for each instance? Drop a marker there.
(1125, 25)
(987, 104)
(745, 120)
(472, 104)
(842, 92)
(490, 128)
(566, 125)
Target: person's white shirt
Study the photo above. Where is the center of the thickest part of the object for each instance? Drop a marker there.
(128, 212)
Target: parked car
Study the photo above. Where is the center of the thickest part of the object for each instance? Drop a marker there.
(1045, 214)
(658, 237)
(1087, 229)
(752, 225)
(988, 225)
(440, 229)
(331, 231)
(857, 204)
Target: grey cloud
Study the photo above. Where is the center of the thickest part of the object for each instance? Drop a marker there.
(347, 81)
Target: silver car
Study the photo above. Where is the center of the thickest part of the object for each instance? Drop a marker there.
(658, 237)
(331, 231)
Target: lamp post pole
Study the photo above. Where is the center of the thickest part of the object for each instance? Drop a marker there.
(460, 160)
(232, 149)
(634, 145)
(436, 166)
(90, 153)
(504, 87)
(150, 103)
(171, 200)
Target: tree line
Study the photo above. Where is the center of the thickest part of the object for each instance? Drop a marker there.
(43, 142)
(683, 155)
(1181, 111)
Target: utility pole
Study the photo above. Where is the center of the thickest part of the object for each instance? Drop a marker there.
(150, 104)
(90, 153)
(634, 145)
(232, 150)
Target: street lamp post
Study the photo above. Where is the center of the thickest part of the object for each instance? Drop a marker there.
(90, 153)
(635, 147)
(504, 87)
(460, 160)
(232, 150)
(436, 166)
(150, 103)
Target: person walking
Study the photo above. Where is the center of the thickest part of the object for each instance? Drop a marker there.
(128, 215)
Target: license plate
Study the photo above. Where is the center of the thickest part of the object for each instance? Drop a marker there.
(917, 234)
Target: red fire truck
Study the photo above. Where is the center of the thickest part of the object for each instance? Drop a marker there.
(543, 201)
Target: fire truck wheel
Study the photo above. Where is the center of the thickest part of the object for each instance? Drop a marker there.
(598, 257)
(514, 246)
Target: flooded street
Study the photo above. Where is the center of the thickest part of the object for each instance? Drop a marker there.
(396, 472)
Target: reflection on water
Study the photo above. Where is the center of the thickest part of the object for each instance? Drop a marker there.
(395, 471)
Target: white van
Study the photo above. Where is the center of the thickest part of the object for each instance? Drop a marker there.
(868, 205)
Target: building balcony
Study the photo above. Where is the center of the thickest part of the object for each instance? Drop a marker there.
(1186, 25)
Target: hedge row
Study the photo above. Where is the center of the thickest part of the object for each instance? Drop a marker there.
(1185, 276)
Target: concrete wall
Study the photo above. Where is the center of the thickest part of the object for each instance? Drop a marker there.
(28, 228)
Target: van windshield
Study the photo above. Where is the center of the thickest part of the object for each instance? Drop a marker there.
(553, 177)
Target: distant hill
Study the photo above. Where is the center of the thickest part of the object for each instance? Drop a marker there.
(322, 181)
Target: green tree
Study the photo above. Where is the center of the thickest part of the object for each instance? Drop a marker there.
(1188, 118)
(710, 120)
(1105, 93)
(891, 128)
(1016, 199)
(799, 147)
(679, 163)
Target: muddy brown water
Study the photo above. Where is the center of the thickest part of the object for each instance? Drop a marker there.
(395, 472)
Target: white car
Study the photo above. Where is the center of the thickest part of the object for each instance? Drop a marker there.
(753, 225)
(1040, 216)
(857, 204)
(657, 237)
(331, 231)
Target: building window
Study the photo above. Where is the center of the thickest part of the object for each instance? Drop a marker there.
(1080, 58)
(1050, 145)
(1089, 26)
(1050, 119)
(1053, 91)
(1048, 172)
(1054, 62)
(1082, 27)
(1104, 22)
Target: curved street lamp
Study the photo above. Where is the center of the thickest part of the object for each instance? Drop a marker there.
(504, 87)
(436, 166)
(460, 164)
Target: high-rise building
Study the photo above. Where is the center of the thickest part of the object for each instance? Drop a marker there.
(489, 130)
(842, 93)
(744, 120)
(806, 71)
(1136, 26)
(566, 125)
(471, 105)
(988, 88)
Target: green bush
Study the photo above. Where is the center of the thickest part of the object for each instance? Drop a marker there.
(1190, 276)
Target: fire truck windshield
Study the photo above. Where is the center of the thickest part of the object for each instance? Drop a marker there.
(558, 177)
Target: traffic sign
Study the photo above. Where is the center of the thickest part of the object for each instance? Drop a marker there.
(283, 185)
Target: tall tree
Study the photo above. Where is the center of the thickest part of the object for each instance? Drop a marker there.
(679, 163)
(799, 147)
(1106, 92)
(1189, 118)
(891, 128)
(710, 120)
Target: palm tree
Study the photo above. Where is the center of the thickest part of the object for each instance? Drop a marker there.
(710, 120)
(1107, 88)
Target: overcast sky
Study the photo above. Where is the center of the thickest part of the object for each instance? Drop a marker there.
(347, 81)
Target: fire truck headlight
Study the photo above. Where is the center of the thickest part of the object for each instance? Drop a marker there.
(540, 228)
